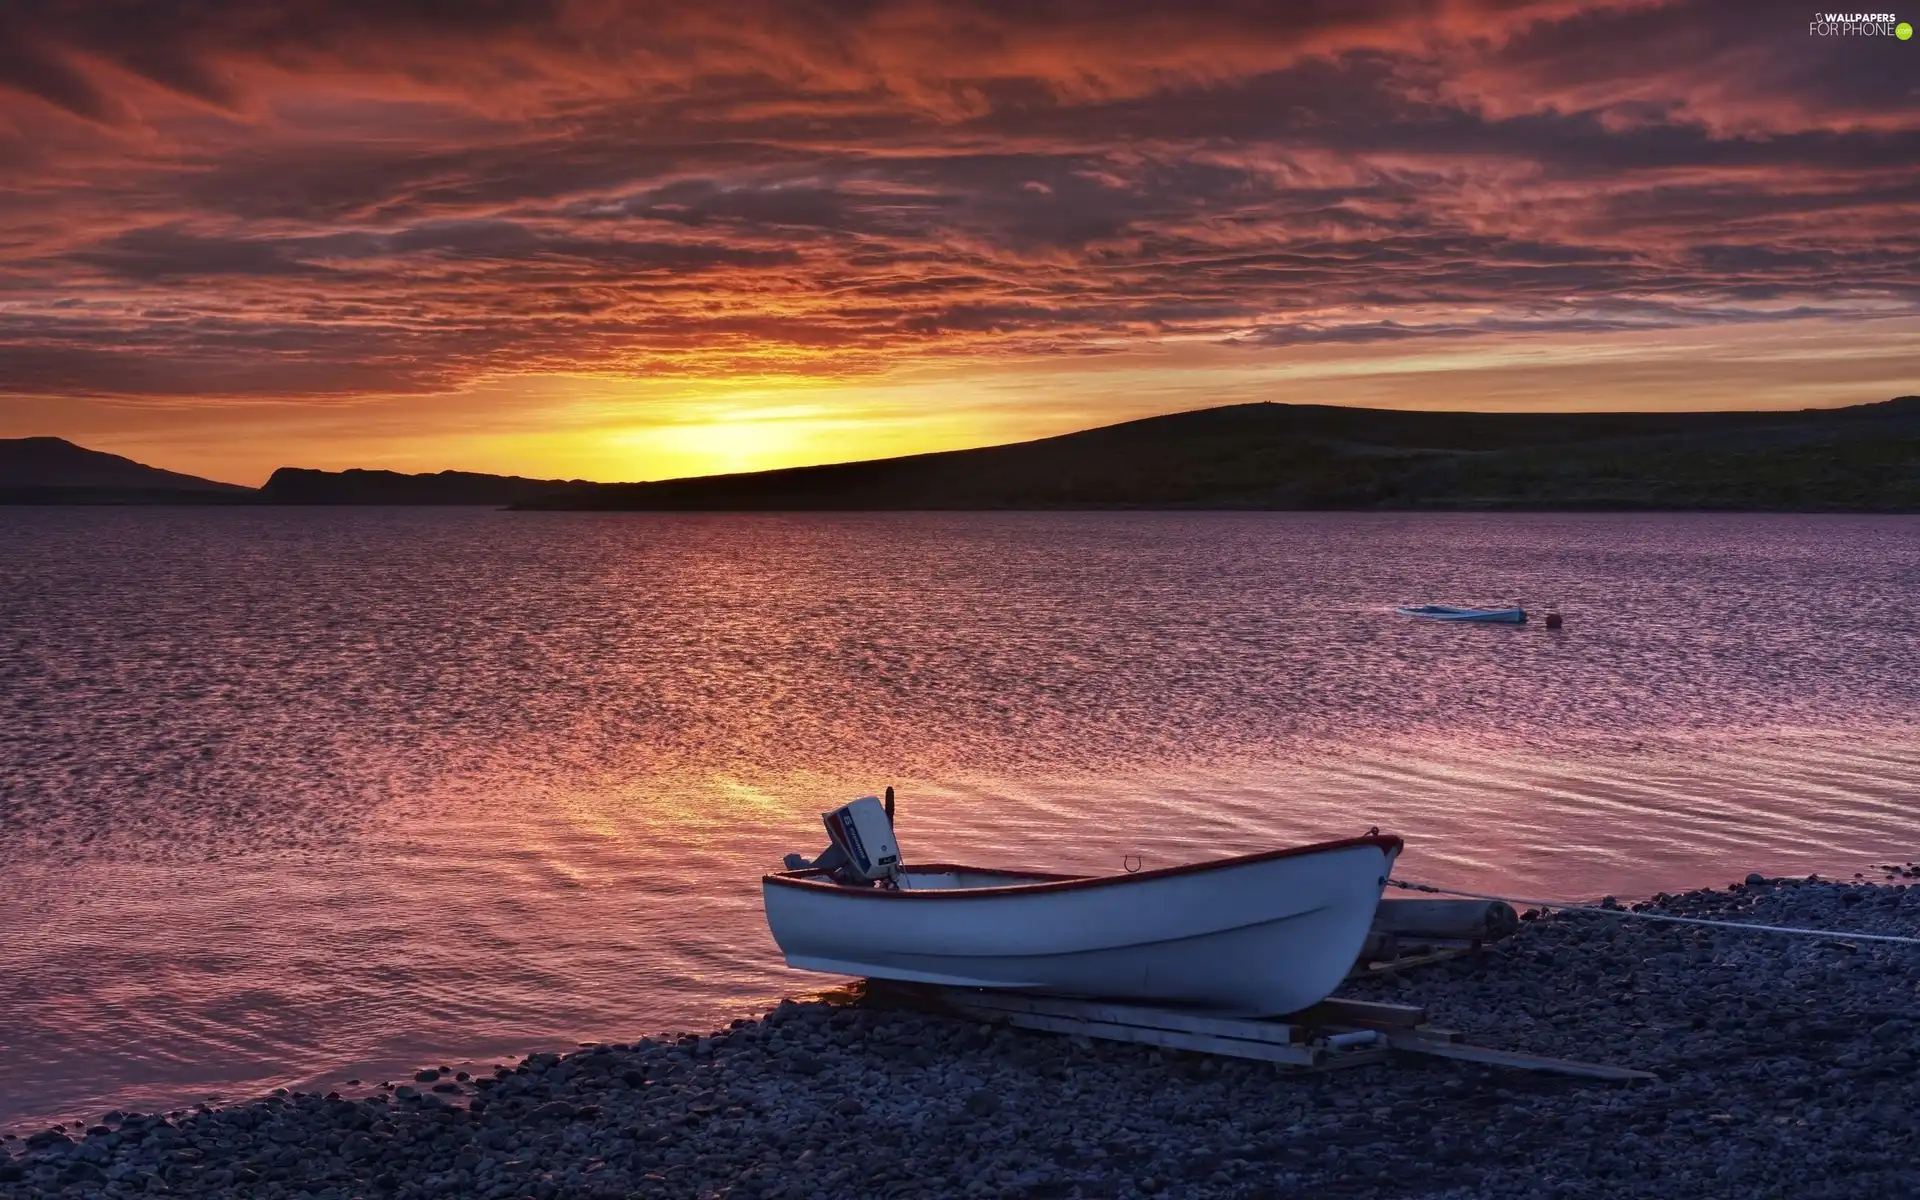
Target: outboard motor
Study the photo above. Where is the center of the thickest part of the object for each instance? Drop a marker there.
(861, 831)
(862, 850)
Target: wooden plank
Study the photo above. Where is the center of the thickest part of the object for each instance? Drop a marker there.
(1171, 1039)
(1367, 1013)
(1402, 955)
(1415, 1044)
(1278, 1032)
(1409, 961)
(1403, 1028)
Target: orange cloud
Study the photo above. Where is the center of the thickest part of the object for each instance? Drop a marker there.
(325, 201)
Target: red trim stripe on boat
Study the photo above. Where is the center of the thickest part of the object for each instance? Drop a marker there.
(813, 878)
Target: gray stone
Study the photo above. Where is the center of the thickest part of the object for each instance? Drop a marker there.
(802, 1063)
(983, 1103)
(1785, 1064)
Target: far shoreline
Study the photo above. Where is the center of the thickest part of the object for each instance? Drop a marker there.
(1260, 456)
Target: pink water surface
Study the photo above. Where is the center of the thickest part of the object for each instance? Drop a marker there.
(293, 796)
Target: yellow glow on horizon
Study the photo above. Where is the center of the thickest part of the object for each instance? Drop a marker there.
(615, 429)
(721, 447)
(715, 427)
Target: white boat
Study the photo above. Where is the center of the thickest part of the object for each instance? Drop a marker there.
(1454, 612)
(1260, 934)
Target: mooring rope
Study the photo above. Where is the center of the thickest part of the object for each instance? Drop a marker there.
(1559, 906)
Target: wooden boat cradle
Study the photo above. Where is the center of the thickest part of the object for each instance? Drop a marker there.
(1333, 1034)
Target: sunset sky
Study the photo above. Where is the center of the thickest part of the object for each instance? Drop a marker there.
(638, 240)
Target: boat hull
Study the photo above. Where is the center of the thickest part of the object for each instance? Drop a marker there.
(1485, 616)
(1263, 934)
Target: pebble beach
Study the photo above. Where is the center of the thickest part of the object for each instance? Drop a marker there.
(1786, 1067)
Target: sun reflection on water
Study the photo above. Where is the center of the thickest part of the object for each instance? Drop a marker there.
(295, 796)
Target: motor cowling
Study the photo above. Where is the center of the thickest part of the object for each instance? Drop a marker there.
(863, 832)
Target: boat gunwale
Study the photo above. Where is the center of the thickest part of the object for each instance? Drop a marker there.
(812, 878)
(1455, 610)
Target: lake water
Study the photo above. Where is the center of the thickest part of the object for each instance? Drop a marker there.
(293, 796)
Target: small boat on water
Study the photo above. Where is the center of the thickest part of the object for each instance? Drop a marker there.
(1257, 934)
(1452, 612)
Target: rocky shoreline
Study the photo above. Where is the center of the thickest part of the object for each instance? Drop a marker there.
(1787, 1066)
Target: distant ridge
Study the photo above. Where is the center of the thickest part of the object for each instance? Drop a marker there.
(1863, 458)
(298, 485)
(51, 462)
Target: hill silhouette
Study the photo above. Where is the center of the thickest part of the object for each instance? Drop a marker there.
(1864, 458)
(57, 462)
(298, 485)
(1281, 456)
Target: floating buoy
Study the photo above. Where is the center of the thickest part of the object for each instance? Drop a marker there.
(1553, 620)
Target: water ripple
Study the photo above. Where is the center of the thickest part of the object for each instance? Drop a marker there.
(288, 796)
